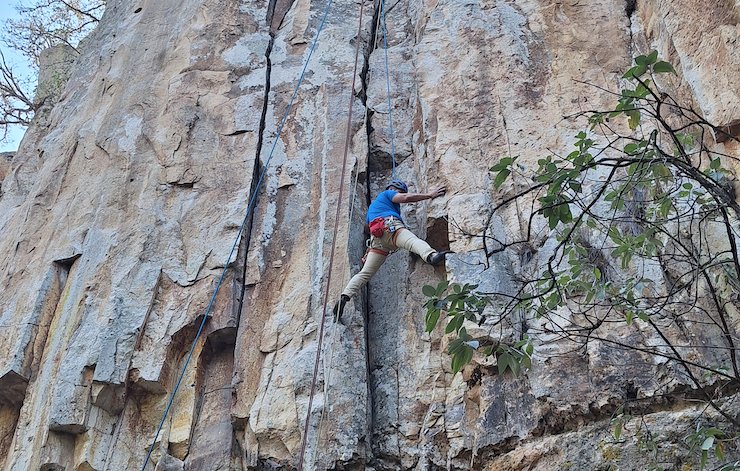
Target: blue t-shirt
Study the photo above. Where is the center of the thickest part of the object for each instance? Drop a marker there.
(383, 206)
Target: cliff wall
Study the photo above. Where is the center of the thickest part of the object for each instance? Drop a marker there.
(118, 214)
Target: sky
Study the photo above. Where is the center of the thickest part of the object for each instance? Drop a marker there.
(20, 66)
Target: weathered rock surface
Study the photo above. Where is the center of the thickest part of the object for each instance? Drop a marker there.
(120, 209)
(6, 163)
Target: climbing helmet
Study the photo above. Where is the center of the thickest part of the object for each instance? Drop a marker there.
(398, 184)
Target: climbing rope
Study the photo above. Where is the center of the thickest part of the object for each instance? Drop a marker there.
(238, 235)
(345, 272)
(333, 244)
(388, 87)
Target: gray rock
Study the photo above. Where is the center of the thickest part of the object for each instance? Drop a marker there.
(120, 209)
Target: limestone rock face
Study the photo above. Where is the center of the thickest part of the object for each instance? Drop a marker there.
(126, 208)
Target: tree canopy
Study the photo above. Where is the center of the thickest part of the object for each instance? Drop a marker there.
(41, 24)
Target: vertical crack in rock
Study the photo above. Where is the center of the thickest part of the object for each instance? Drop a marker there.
(365, 78)
(59, 446)
(127, 382)
(208, 445)
(629, 9)
(365, 71)
(237, 421)
(247, 235)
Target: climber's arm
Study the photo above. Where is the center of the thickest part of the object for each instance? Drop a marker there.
(416, 197)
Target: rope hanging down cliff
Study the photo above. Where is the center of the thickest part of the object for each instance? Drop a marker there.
(347, 138)
(250, 207)
(327, 381)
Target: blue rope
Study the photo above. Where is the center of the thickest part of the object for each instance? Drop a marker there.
(236, 242)
(388, 87)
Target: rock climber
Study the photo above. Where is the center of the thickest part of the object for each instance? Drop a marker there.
(389, 233)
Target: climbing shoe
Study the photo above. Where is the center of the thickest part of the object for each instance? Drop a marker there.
(339, 308)
(437, 258)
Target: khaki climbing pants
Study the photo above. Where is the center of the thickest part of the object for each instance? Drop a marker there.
(395, 237)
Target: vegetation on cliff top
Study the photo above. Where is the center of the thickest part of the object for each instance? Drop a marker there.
(41, 24)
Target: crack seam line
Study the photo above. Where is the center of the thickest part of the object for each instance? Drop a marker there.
(388, 87)
(236, 241)
(347, 139)
(345, 268)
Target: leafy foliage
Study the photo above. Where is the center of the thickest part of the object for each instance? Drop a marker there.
(464, 304)
(626, 204)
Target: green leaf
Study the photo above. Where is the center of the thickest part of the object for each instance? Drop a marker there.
(451, 326)
(515, 366)
(565, 215)
(596, 119)
(502, 164)
(431, 319)
(663, 67)
(715, 164)
(634, 118)
(503, 362)
(635, 72)
(642, 91)
(462, 358)
(620, 250)
(665, 207)
(441, 287)
(501, 177)
(652, 57)
(618, 430)
(428, 291)
(626, 260)
(468, 355)
(455, 346)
